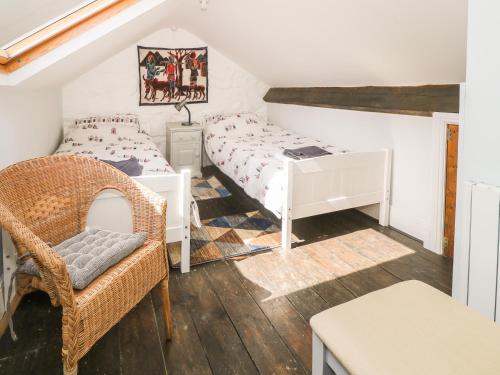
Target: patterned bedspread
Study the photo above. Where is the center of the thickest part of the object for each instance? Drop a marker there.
(112, 138)
(250, 151)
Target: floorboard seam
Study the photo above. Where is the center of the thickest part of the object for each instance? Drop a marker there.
(196, 329)
(348, 289)
(231, 319)
(364, 219)
(392, 273)
(375, 264)
(120, 346)
(336, 278)
(294, 355)
(158, 333)
(296, 309)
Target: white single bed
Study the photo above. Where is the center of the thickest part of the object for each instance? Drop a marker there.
(118, 138)
(250, 152)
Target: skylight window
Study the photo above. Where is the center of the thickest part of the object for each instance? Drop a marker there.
(29, 23)
(20, 18)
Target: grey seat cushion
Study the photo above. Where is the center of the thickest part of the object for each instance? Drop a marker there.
(90, 253)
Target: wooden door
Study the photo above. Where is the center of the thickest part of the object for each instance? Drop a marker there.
(450, 189)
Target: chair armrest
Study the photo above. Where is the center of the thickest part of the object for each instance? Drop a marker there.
(149, 213)
(52, 267)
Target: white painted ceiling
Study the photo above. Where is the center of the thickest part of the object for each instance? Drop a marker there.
(306, 42)
(335, 42)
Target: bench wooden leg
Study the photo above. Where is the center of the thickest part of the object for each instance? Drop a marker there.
(319, 365)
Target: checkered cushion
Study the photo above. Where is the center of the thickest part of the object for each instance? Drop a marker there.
(90, 253)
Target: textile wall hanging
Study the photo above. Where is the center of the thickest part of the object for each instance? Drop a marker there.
(169, 75)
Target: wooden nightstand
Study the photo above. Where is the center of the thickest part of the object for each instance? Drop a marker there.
(184, 147)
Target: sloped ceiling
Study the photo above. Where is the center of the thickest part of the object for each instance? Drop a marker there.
(335, 42)
(305, 42)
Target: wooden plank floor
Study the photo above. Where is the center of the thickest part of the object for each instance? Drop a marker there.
(226, 322)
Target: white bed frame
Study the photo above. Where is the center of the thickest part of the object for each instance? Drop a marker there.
(112, 211)
(333, 183)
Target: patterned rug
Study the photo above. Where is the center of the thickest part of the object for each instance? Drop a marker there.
(229, 236)
(208, 188)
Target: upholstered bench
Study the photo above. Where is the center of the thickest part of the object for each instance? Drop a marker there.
(407, 329)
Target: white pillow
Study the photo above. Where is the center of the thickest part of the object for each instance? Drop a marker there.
(121, 120)
(102, 132)
(235, 125)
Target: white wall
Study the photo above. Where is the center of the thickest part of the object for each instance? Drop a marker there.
(113, 85)
(479, 153)
(30, 123)
(30, 126)
(410, 137)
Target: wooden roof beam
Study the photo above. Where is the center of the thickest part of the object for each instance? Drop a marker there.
(406, 100)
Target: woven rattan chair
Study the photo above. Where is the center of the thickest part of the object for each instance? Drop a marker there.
(45, 201)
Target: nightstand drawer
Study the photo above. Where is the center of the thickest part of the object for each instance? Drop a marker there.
(186, 155)
(186, 136)
(184, 147)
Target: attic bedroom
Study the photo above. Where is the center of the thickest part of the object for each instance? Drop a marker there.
(249, 187)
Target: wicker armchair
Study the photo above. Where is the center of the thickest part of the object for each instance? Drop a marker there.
(45, 201)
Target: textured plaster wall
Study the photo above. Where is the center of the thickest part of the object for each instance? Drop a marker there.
(113, 85)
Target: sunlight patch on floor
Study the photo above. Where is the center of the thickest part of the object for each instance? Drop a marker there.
(284, 272)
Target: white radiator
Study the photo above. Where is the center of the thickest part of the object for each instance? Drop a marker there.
(481, 236)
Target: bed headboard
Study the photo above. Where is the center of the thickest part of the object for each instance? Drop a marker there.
(158, 132)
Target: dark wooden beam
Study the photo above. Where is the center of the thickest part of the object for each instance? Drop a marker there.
(406, 100)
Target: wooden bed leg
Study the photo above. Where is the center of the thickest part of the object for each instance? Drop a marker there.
(386, 200)
(186, 221)
(287, 214)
